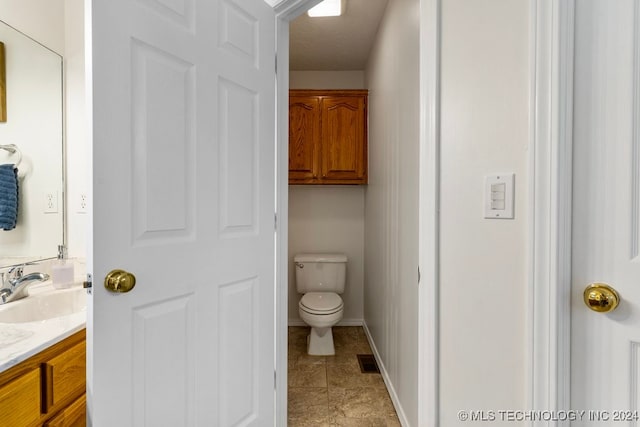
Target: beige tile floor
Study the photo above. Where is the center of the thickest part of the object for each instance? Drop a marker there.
(331, 390)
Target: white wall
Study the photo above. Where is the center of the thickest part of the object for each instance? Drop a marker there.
(391, 230)
(42, 20)
(326, 80)
(77, 143)
(484, 95)
(328, 218)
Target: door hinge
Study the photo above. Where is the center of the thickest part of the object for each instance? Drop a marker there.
(275, 380)
(275, 221)
(88, 285)
(418, 275)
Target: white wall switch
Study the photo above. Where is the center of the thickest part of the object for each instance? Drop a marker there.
(499, 196)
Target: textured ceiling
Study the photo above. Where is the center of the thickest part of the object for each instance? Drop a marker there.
(336, 43)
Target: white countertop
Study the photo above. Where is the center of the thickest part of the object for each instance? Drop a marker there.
(19, 341)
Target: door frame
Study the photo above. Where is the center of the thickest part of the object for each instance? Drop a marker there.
(429, 190)
(550, 169)
(285, 11)
(429, 215)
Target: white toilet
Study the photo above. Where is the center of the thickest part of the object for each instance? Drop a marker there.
(321, 278)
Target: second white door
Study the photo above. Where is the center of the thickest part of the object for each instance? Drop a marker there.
(605, 347)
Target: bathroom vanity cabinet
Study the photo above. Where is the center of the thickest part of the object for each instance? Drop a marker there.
(328, 136)
(48, 389)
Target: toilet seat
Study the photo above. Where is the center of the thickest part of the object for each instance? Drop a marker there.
(321, 303)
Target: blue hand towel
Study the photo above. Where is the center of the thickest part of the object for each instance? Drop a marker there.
(8, 196)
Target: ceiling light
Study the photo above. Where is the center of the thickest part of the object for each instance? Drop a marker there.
(326, 8)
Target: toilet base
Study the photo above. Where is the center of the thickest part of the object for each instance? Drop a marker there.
(320, 342)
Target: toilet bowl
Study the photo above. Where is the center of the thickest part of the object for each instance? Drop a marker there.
(321, 279)
(321, 311)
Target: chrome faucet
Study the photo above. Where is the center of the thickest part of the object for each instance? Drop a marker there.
(15, 283)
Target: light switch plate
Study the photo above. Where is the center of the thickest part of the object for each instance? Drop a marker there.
(499, 196)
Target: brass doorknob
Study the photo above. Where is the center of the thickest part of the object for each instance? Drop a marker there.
(601, 297)
(119, 281)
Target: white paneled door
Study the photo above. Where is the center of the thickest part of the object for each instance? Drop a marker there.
(183, 132)
(605, 347)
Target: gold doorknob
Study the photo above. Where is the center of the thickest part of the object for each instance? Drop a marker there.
(119, 281)
(601, 297)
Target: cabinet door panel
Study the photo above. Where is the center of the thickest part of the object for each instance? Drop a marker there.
(74, 415)
(304, 138)
(20, 400)
(65, 375)
(344, 138)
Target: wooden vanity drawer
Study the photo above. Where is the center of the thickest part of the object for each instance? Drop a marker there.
(20, 400)
(74, 415)
(65, 376)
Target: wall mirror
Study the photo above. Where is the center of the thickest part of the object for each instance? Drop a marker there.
(34, 125)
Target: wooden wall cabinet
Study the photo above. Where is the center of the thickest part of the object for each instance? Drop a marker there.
(48, 389)
(328, 137)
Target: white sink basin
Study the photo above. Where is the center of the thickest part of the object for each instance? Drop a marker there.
(44, 306)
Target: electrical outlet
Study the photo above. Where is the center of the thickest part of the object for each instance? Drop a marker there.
(51, 202)
(83, 201)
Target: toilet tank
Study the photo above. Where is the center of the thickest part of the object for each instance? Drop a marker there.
(320, 272)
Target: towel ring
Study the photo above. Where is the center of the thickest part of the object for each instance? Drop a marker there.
(13, 149)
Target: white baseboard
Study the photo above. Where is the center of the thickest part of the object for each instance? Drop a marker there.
(385, 376)
(343, 322)
(351, 322)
